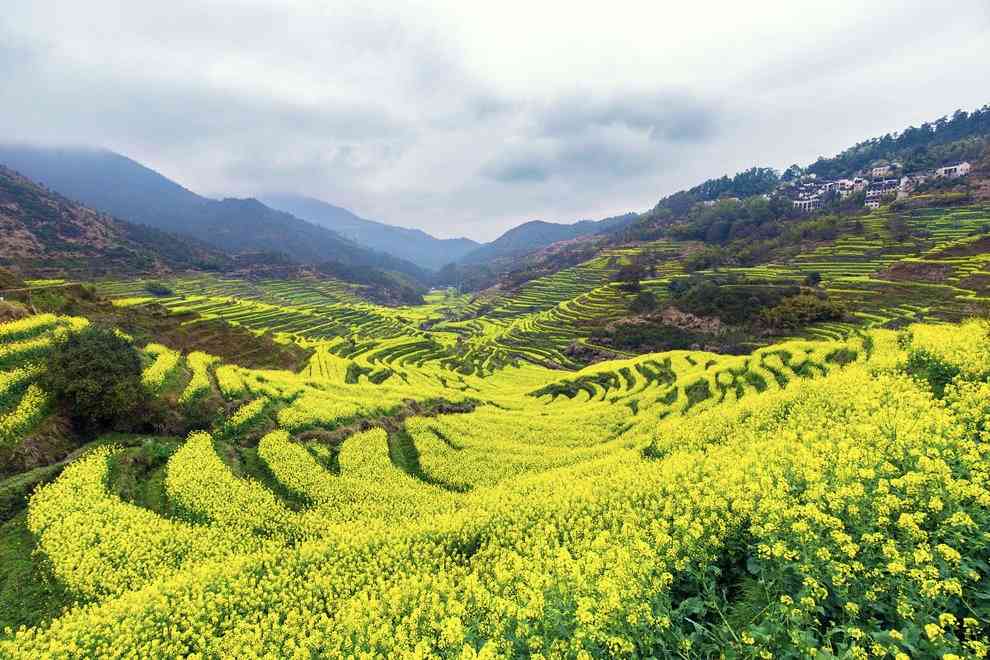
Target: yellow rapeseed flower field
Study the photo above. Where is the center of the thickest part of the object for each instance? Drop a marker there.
(810, 499)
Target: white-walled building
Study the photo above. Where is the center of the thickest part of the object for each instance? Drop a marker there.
(847, 187)
(808, 193)
(807, 205)
(880, 190)
(953, 171)
(881, 172)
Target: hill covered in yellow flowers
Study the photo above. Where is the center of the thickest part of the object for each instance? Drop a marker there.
(812, 497)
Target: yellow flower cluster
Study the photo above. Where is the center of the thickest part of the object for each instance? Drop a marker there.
(200, 364)
(965, 346)
(490, 445)
(230, 381)
(164, 364)
(101, 546)
(690, 381)
(202, 485)
(294, 466)
(799, 504)
(316, 408)
(281, 385)
(246, 416)
(369, 488)
(11, 383)
(27, 327)
(19, 352)
(23, 346)
(29, 411)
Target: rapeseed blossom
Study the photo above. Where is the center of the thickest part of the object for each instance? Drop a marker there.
(800, 504)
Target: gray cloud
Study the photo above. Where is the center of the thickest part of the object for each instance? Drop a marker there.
(469, 118)
(662, 116)
(582, 137)
(595, 156)
(522, 169)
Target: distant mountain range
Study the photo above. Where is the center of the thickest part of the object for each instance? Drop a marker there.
(420, 248)
(534, 235)
(304, 229)
(410, 244)
(121, 187)
(155, 221)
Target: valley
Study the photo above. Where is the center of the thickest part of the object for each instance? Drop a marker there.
(939, 272)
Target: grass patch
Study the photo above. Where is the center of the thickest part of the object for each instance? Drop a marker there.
(137, 474)
(29, 595)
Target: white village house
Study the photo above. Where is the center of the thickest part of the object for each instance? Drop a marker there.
(953, 171)
(808, 195)
(882, 171)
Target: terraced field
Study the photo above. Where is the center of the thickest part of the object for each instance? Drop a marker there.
(326, 508)
(938, 272)
(448, 481)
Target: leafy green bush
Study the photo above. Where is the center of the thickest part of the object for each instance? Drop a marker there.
(800, 310)
(659, 337)
(158, 289)
(731, 301)
(644, 303)
(95, 375)
(629, 276)
(930, 369)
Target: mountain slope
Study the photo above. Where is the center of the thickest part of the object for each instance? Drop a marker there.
(126, 189)
(411, 244)
(531, 236)
(749, 218)
(42, 230)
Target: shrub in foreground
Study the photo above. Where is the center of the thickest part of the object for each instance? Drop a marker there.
(95, 375)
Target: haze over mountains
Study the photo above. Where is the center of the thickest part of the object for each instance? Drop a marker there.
(117, 185)
(413, 245)
(305, 229)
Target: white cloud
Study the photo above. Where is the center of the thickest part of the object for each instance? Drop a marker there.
(463, 117)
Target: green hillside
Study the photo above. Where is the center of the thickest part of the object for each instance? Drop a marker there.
(535, 234)
(116, 185)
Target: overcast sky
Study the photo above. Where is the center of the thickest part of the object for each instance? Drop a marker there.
(466, 118)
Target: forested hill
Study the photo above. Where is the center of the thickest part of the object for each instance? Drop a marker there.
(121, 187)
(751, 217)
(961, 137)
(43, 231)
(754, 181)
(413, 245)
(531, 236)
(748, 217)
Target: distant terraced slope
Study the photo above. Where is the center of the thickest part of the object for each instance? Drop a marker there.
(940, 274)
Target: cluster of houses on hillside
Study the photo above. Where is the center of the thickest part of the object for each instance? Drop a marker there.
(880, 183)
